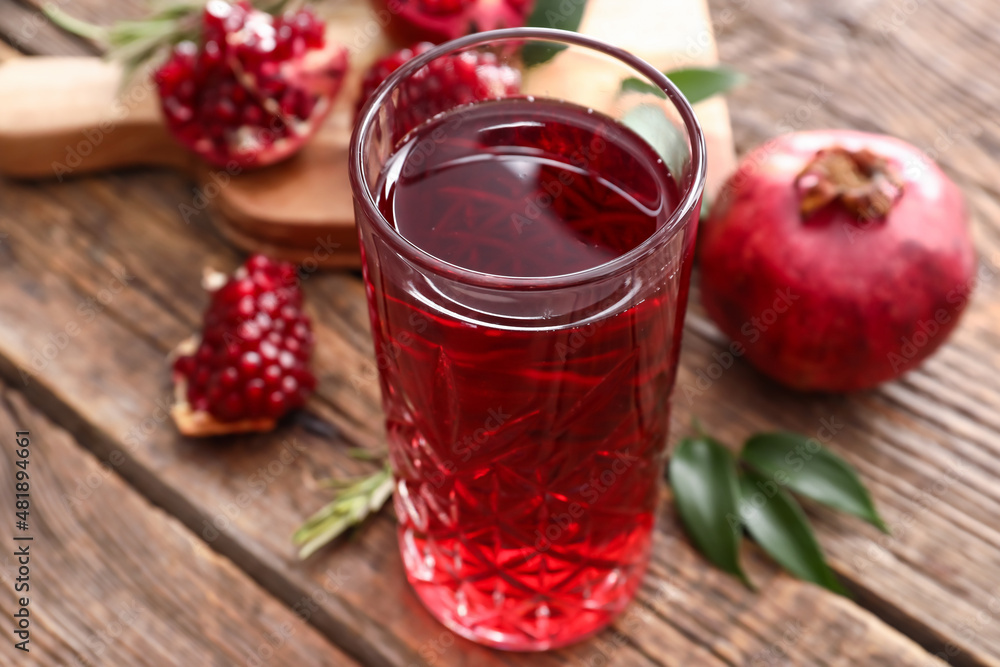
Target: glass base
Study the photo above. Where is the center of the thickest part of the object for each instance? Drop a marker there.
(524, 623)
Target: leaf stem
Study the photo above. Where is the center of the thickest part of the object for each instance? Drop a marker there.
(74, 25)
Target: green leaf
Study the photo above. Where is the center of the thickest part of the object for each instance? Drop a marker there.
(354, 502)
(808, 468)
(697, 83)
(651, 123)
(777, 523)
(706, 207)
(704, 481)
(634, 85)
(561, 14)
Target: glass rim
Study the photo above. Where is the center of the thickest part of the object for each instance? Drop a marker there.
(682, 212)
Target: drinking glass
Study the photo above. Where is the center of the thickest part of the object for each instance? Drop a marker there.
(527, 413)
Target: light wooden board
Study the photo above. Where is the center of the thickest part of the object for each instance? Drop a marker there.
(64, 117)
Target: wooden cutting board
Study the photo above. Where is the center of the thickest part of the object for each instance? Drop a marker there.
(61, 117)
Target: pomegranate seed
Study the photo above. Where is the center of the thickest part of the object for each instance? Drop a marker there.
(244, 367)
(444, 83)
(217, 94)
(272, 374)
(250, 364)
(276, 404)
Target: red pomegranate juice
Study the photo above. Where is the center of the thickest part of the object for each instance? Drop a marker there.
(527, 457)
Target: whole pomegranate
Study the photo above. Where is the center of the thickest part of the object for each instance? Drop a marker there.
(836, 259)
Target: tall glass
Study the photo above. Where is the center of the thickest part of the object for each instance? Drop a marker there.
(527, 403)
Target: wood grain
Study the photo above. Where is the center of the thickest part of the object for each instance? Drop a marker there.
(107, 380)
(929, 444)
(929, 75)
(68, 116)
(115, 581)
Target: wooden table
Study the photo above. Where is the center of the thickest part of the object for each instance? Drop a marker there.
(155, 550)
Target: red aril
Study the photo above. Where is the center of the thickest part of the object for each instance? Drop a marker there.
(837, 259)
(253, 88)
(446, 82)
(250, 365)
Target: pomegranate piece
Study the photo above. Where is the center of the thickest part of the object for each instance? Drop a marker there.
(442, 20)
(837, 259)
(254, 88)
(251, 363)
(447, 82)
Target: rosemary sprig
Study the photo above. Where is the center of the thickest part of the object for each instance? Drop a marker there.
(137, 42)
(354, 502)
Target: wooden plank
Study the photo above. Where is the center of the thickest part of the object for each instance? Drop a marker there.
(55, 103)
(7, 52)
(106, 382)
(928, 444)
(27, 29)
(902, 436)
(114, 581)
